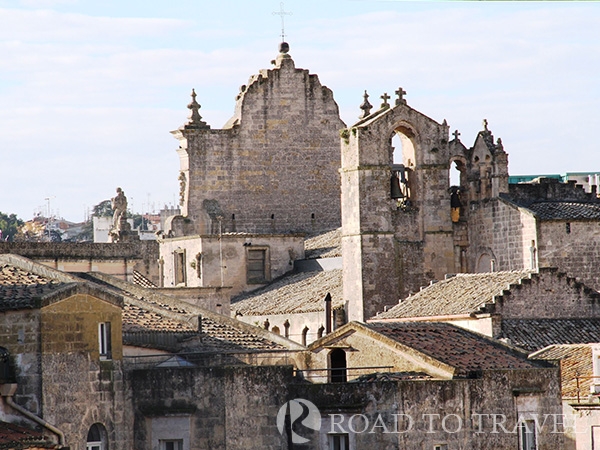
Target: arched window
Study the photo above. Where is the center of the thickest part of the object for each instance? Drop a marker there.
(97, 438)
(402, 162)
(337, 364)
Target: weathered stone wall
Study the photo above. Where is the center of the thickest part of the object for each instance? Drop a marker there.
(71, 325)
(20, 335)
(229, 407)
(502, 232)
(548, 295)
(573, 247)
(78, 391)
(119, 259)
(204, 256)
(275, 167)
(442, 412)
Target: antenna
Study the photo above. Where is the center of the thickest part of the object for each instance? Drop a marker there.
(282, 13)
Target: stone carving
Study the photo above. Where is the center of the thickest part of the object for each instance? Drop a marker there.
(182, 185)
(385, 97)
(119, 206)
(366, 106)
(400, 93)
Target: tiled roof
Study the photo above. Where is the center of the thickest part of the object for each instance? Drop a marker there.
(566, 210)
(151, 318)
(293, 293)
(17, 437)
(575, 360)
(534, 334)
(324, 245)
(20, 288)
(460, 294)
(141, 280)
(467, 352)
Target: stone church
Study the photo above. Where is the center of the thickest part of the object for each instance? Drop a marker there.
(285, 166)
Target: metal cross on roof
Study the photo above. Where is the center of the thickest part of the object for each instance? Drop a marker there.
(282, 13)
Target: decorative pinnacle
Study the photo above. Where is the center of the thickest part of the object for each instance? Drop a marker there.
(400, 93)
(365, 106)
(195, 119)
(485, 125)
(385, 97)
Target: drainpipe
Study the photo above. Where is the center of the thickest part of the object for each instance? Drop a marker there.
(39, 420)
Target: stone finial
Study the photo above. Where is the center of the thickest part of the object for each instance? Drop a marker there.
(485, 125)
(284, 55)
(456, 134)
(499, 145)
(195, 119)
(400, 93)
(365, 106)
(385, 97)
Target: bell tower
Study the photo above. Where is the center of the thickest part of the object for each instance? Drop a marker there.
(397, 232)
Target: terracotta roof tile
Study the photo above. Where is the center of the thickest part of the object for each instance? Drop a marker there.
(460, 294)
(20, 289)
(534, 334)
(566, 210)
(293, 293)
(466, 351)
(17, 437)
(324, 245)
(575, 360)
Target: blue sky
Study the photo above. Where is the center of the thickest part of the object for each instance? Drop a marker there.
(89, 90)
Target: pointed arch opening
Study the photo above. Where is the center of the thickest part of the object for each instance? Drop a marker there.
(97, 438)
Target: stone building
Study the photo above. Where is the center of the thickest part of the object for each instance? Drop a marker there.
(528, 309)
(273, 167)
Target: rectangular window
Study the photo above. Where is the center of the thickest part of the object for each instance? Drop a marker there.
(440, 447)
(338, 442)
(527, 437)
(104, 343)
(171, 444)
(179, 263)
(257, 266)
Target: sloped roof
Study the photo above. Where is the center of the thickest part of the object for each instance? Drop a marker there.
(534, 334)
(21, 289)
(25, 284)
(566, 210)
(460, 294)
(293, 293)
(324, 245)
(17, 437)
(147, 312)
(466, 351)
(575, 360)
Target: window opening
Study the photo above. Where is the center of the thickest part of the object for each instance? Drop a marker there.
(304, 335)
(171, 444)
(527, 437)
(337, 364)
(104, 341)
(179, 262)
(338, 442)
(96, 438)
(257, 270)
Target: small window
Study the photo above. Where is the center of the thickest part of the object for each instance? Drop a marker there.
(337, 364)
(527, 437)
(257, 266)
(171, 444)
(440, 447)
(96, 438)
(179, 265)
(568, 228)
(104, 344)
(338, 442)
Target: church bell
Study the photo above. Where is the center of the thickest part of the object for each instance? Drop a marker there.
(396, 191)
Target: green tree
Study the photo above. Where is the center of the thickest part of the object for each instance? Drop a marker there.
(9, 225)
(103, 209)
